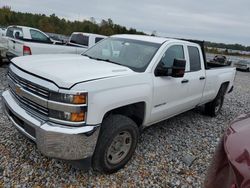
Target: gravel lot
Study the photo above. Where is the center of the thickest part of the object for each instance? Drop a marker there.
(174, 153)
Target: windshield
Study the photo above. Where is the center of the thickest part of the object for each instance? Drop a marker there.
(134, 54)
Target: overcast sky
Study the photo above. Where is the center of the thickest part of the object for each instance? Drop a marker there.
(214, 20)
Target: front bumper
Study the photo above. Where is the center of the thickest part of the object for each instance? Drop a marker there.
(53, 140)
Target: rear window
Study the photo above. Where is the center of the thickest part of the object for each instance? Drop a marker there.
(17, 31)
(80, 39)
(194, 58)
(97, 39)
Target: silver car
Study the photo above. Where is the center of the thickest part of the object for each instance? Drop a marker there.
(243, 65)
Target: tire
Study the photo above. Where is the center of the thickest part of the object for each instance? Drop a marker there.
(213, 108)
(119, 134)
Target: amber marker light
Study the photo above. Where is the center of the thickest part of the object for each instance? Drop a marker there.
(77, 117)
(79, 99)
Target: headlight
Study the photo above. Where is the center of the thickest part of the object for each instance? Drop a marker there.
(79, 98)
(72, 111)
(67, 116)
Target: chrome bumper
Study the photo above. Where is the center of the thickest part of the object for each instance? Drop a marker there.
(53, 140)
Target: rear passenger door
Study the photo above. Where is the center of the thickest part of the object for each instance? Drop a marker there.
(195, 75)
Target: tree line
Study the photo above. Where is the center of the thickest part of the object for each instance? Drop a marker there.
(228, 46)
(54, 24)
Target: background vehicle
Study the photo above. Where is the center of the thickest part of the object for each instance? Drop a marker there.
(93, 106)
(220, 60)
(243, 65)
(85, 40)
(58, 37)
(30, 41)
(3, 43)
(230, 165)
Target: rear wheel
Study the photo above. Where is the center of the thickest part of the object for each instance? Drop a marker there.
(116, 143)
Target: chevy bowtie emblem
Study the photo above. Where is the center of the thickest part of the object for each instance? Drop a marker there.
(18, 90)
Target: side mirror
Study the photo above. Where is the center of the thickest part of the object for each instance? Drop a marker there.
(178, 69)
(162, 71)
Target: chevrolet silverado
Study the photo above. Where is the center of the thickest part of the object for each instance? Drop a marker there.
(92, 107)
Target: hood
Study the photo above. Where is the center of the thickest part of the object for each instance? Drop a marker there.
(67, 70)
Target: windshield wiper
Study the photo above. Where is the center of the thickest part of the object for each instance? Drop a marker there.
(106, 60)
(99, 59)
(88, 56)
(109, 61)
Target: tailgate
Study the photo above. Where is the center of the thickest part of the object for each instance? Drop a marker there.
(15, 47)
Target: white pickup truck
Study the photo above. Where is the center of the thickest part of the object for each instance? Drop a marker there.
(30, 41)
(94, 106)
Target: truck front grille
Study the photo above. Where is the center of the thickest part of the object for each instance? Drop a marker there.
(25, 103)
(31, 87)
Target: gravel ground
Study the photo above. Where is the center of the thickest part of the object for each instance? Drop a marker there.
(174, 153)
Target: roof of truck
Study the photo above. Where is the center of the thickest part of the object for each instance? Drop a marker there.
(146, 38)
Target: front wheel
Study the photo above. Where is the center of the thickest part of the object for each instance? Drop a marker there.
(116, 143)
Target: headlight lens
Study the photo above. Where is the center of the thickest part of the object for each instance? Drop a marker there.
(79, 98)
(67, 116)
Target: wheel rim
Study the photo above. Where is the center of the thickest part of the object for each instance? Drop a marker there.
(119, 148)
(217, 106)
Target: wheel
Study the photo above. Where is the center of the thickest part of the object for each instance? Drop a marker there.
(213, 108)
(116, 144)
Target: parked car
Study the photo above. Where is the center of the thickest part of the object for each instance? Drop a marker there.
(58, 37)
(94, 106)
(243, 65)
(2, 31)
(30, 41)
(230, 165)
(3, 43)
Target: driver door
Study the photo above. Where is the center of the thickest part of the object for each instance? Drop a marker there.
(170, 96)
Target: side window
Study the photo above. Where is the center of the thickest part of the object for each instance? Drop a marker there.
(194, 58)
(80, 39)
(38, 36)
(174, 52)
(97, 39)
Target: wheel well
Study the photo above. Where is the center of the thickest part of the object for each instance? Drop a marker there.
(223, 88)
(134, 111)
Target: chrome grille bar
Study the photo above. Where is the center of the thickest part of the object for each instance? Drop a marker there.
(38, 90)
(29, 105)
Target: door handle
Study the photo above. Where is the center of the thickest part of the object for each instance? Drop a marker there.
(202, 78)
(184, 81)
